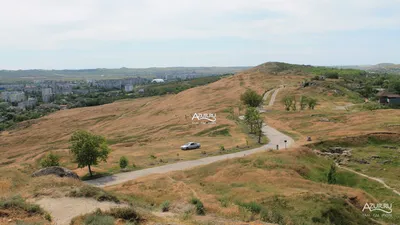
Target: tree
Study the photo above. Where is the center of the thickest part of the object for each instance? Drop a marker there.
(50, 160)
(332, 175)
(251, 117)
(123, 162)
(258, 129)
(294, 103)
(88, 149)
(303, 102)
(312, 102)
(288, 101)
(251, 98)
(394, 86)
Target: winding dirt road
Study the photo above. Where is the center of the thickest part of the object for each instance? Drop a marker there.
(277, 141)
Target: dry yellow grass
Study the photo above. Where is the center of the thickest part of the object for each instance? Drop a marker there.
(255, 178)
(139, 128)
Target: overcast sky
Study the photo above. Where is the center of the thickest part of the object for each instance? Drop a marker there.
(57, 34)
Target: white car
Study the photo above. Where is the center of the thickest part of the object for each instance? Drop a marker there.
(190, 145)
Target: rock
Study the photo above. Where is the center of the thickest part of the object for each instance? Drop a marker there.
(390, 147)
(387, 161)
(361, 161)
(55, 170)
(339, 150)
(324, 120)
(375, 157)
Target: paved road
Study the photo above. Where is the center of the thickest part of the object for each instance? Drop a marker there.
(276, 139)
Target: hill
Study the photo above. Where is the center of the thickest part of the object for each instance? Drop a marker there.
(283, 187)
(378, 68)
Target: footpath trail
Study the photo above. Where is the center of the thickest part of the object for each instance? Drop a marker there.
(277, 140)
(371, 178)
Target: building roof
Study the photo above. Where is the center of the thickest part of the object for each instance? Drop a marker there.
(388, 95)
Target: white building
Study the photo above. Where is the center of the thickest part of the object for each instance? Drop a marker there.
(13, 96)
(47, 95)
(157, 81)
(128, 88)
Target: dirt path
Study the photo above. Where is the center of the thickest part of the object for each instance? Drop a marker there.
(62, 210)
(273, 97)
(371, 178)
(277, 140)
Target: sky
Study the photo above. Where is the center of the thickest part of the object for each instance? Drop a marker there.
(76, 34)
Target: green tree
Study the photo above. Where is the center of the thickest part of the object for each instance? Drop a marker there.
(312, 102)
(251, 98)
(394, 86)
(332, 175)
(294, 104)
(303, 102)
(123, 162)
(50, 160)
(88, 149)
(258, 129)
(288, 101)
(251, 117)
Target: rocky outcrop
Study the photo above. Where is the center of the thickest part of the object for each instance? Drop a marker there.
(55, 170)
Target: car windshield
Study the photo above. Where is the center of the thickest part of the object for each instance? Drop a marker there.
(188, 143)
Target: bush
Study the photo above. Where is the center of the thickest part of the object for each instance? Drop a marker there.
(165, 206)
(124, 213)
(332, 175)
(17, 202)
(50, 160)
(253, 207)
(123, 162)
(96, 219)
(93, 192)
(200, 210)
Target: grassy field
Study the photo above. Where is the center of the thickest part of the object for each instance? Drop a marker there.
(288, 187)
(380, 152)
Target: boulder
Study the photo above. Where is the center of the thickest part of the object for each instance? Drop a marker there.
(55, 170)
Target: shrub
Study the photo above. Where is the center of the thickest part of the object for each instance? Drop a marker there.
(332, 175)
(253, 207)
(312, 102)
(288, 101)
(124, 213)
(165, 206)
(222, 148)
(17, 202)
(50, 160)
(271, 216)
(96, 219)
(93, 192)
(200, 210)
(123, 162)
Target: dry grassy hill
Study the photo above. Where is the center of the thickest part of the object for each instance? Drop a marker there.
(287, 187)
(142, 127)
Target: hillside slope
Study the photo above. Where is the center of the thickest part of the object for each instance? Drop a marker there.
(141, 127)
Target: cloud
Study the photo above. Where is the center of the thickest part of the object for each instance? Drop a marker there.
(51, 24)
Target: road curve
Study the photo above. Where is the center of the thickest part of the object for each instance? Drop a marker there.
(277, 140)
